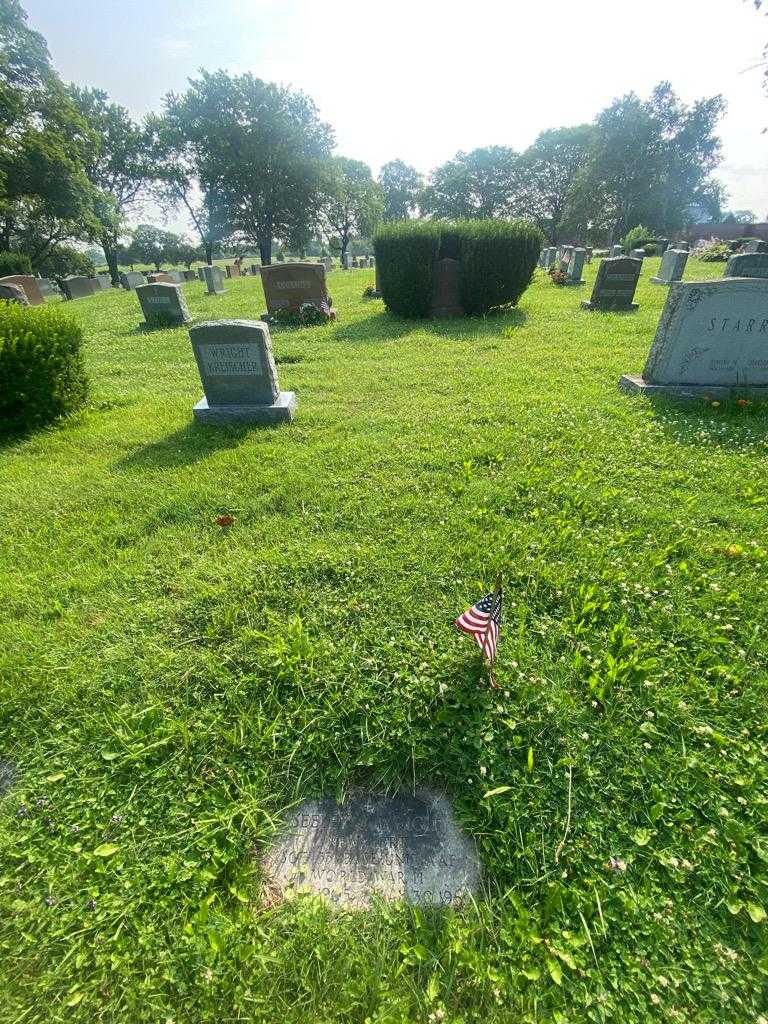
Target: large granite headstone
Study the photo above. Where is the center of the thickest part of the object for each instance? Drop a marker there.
(672, 266)
(615, 284)
(747, 264)
(214, 279)
(239, 375)
(78, 287)
(13, 293)
(446, 289)
(288, 285)
(29, 284)
(712, 339)
(163, 305)
(105, 281)
(756, 245)
(401, 847)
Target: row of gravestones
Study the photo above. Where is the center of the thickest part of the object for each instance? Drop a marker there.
(357, 262)
(32, 291)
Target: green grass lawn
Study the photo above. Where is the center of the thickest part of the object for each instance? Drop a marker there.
(170, 688)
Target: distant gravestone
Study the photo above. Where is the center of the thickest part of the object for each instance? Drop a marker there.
(589, 250)
(747, 264)
(544, 259)
(239, 375)
(214, 279)
(402, 847)
(683, 245)
(576, 266)
(712, 340)
(346, 261)
(189, 275)
(615, 284)
(552, 256)
(286, 287)
(28, 284)
(638, 254)
(160, 277)
(662, 245)
(77, 287)
(565, 258)
(163, 305)
(756, 246)
(672, 266)
(13, 293)
(105, 281)
(201, 273)
(47, 287)
(255, 269)
(446, 289)
(134, 279)
(616, 250)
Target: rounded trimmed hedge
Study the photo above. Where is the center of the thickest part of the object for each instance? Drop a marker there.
(498, 259)
(14, 263)
(42, 371)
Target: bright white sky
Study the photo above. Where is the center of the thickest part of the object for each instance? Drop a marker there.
(422, 79)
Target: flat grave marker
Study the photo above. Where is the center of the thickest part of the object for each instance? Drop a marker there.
(401, 847)
(712, 340)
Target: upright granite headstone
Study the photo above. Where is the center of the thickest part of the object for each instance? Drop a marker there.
(133, 279)
(105, 281)
(672, 266)
(163, 305)
(289, 285)
(176, 276)
(755, 245)
(13, 293)
(616, 250)
(201, 273)
(346, 261)
(239, 375)
(712, 340)
(28, 284)
(638, 254)
(402, 847)
(589, 250)
(214, 279)
(446, 289)
(161, 277)
(77, 287)
(576, 266)
(747, 264)
(615, 284)
(47, 287)
(662, 245)
(189, 275)
(552, 257)
(683, 245)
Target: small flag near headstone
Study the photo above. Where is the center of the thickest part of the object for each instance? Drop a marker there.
(483, 622)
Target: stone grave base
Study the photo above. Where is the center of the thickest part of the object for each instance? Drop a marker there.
(659, 280)
(574, 282)
(632, 384)
(631, 308)
(281, 411)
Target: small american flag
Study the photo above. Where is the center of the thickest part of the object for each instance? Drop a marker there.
(483, 622)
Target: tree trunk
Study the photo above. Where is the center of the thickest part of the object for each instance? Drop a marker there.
(265, 249)
(208, 252)
(5, 236)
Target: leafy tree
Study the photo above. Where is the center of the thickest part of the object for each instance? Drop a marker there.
(401, 185)
(483, 183)
(548, 172)
(45, 196)
(258, 150)
(352, 204)
(185, 179)
(152, 245)
(119, 168)
(648, 162)
(740, 217)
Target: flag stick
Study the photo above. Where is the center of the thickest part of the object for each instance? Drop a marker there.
(496, 592)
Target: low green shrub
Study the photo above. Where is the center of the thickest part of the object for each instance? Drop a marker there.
(64, 262)
(405, 254)
(718, 252)
(636, 238)
(42, 372)
(14, 263)
(497, 257)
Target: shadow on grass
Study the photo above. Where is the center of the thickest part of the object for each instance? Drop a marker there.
(384, 326)
(699, 422)
(186, 446)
